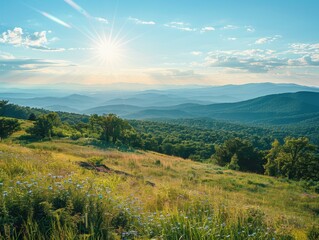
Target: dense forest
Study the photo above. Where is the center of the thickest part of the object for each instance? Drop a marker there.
(262, 149)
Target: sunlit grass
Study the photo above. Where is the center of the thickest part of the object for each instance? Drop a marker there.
(190, 200)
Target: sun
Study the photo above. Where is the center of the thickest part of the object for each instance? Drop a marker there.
(108, 52)
(108, 48)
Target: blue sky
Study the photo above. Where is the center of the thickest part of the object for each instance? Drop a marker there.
(159, 42)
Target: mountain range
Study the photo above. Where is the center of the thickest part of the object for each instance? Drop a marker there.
(274, 109)
(256, 103)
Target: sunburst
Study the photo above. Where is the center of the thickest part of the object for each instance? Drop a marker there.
(108, 51)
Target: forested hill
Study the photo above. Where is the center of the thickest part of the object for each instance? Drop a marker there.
(275, 109)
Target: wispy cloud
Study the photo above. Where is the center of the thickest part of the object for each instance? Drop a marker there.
(10, 65)
(36, 40)
(55, 19)
(196, 53)
(6, 56)
(175, 74)
(230, 27)
(232, 39)
(265, 40)
(180, 26)
(260, 60)
(207, 29)
(250, 29)
(77, 8)
(102, 20)
(81, 10)
(141, 22)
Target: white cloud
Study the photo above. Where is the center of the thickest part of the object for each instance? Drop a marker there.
(229, 27)
(304, 48)
(36, 40)
(261, 60)
(141, 22)
(247, 64)
(196, 53)
(250, 29)
(102, 20)
(207, 29)
(232, 39)
(180, 26)
(14, 37)
(267, 39)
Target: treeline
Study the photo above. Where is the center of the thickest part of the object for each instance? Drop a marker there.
(267, 132)
(234, 148)
(21, 112)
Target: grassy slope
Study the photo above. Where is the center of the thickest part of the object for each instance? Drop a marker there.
(178, 182)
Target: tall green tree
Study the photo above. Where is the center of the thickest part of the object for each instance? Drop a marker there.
(8, 127)
(296, 159)
(111, 128)
(43, 126)
(272, 167)
(247, 157)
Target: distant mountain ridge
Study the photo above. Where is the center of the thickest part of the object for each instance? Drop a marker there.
(267, 109)
(225, 102)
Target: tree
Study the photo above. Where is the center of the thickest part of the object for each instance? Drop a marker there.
(8, 126)
(249, 158)
(43, 126)
(32, 117)
(111, 128)
(296, 159)
(2, 105)
(271, 167)
(233, 165)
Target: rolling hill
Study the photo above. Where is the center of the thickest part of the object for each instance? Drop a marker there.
(87, 100)
(300, 105)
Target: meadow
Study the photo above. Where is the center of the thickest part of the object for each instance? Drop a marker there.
(69, 189)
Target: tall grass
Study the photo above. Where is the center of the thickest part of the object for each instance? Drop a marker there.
(45, 194)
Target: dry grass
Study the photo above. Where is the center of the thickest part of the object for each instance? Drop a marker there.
(178, 182)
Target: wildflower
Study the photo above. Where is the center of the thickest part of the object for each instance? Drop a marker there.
(5, 193)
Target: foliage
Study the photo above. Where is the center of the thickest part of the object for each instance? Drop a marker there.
(8, 126)
(111, 128)
(32, 117)
(2, 106)
(239, 152)
(233, 165)
(295, 159)
(21, 112)
(176, 140)
(313, 233)
(43, 126)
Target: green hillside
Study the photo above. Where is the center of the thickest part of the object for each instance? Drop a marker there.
(63, 190)
(71, 176)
